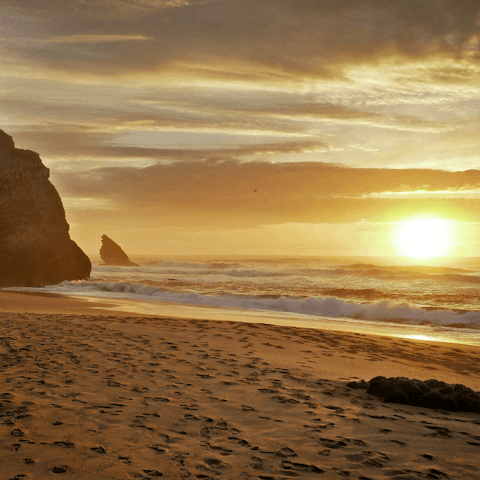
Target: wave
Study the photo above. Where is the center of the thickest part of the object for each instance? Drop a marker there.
(172, 268)
(383, 311)
(254, 269)
(463, 278)
(176, 264)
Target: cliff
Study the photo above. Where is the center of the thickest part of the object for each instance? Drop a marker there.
(112, 254)
(35, 246)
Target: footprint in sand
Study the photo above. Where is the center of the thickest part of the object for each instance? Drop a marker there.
(214, 462)
(239, 441)
(359, 457)
(221, 424)
(285, 452)
(438, 431)
(61, 469)
(377, 462)
(153, 473)
(98, 450)
(404, 475)
(332, 444)
(136, 475)
(300, 467)
(334, 407)
(342, 473)
(158, 448)
(65, 443)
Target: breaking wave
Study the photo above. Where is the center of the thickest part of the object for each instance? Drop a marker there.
(315, 306)
(254, 269)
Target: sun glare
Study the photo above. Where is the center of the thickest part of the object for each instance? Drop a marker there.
(424, 238)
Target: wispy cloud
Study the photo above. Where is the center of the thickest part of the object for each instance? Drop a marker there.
(228, 192)
(178, 110)
(91, 38)
(303, 37)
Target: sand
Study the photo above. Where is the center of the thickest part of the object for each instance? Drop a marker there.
(86, 395)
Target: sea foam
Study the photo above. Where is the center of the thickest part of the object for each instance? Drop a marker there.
(383, 311)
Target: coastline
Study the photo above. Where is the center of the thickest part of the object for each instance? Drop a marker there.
(60, 303)
(94, 392)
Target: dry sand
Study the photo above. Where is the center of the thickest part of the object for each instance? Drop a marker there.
(115, 396)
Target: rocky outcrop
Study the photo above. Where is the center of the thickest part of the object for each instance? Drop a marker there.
(112, 254)
(35, 246)
(429, 394)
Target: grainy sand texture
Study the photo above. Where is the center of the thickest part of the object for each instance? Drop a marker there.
(90, 396)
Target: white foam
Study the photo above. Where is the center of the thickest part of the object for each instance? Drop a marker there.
(314, 306)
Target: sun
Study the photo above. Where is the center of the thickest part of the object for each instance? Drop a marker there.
(424, 238)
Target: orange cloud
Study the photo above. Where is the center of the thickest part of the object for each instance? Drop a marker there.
(233, 193)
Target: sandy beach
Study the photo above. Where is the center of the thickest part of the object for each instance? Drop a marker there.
(111, 395)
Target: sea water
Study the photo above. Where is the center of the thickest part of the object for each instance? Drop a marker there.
(442, 300)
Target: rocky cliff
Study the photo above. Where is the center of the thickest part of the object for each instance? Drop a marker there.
(35, 246)
(112, 254)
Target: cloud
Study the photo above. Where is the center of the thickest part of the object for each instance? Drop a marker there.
(221, 214)
(92, 38)
(229, 193)
(226, 177)
(91, 8)
(187, 107)
(154, 4)
(105, 122)
(75, 142)
(303, 37)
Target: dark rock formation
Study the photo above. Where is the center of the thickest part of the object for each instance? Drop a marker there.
(112, 254)
(35, 246)
(429, 394)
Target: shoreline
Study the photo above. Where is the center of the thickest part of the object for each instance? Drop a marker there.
(51, 304)
(90, 392)
(126, 306)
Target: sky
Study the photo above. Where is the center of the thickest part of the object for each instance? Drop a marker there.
(241, 127)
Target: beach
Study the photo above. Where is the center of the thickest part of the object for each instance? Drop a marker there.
(240, 240)
(89, 392)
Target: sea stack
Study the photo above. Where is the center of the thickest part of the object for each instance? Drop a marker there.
(35, 246)
(112, 254)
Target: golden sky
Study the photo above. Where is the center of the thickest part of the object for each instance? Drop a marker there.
(249, 126)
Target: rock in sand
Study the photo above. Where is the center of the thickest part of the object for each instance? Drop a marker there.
(429, 393)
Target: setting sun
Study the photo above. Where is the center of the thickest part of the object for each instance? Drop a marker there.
(424, 238)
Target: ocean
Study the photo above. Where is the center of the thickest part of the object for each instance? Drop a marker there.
(379, 295)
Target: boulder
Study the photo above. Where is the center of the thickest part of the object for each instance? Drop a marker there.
(35, 246)
(428, 394)
(112, 254)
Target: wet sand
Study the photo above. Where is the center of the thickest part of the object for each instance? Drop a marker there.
(97, 394)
